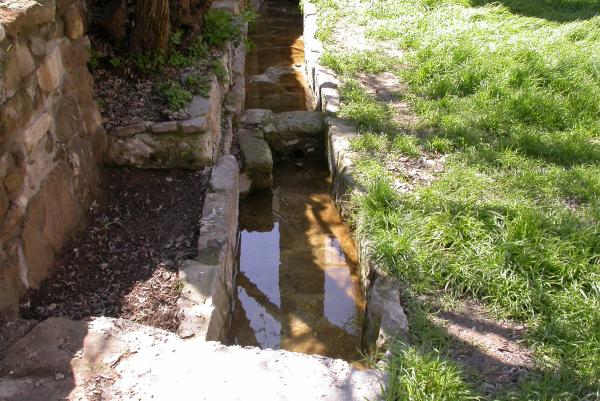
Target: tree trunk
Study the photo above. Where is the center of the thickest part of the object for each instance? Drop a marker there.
(151, 30)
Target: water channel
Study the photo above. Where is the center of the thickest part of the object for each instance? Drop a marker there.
(297, 282)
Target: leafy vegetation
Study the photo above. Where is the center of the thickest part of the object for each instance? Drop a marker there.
(176, 96)
(510, 92)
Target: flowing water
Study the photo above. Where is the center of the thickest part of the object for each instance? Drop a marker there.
(297, 282)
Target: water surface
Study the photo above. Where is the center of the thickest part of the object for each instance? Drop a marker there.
(297, 287)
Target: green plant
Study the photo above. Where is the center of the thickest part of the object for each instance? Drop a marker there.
(219, 27)
(178, 60)
(439, 144)
(407, 145)
(176, 38)
(116, 62)
(220, 71)
(176, 96)
(198, 84)
(198, 49)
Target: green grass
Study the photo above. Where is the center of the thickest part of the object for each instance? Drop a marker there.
(510, 92)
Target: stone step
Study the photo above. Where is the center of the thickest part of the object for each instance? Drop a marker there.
(115, 359)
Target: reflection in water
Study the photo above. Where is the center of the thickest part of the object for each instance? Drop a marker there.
(297, 283)
(262, 266)
(275, 68)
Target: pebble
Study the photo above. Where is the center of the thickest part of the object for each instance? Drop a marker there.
(59, 376)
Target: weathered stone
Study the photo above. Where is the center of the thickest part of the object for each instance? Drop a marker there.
(13, 182)
(161, 151)
(385, 320)
(37, 251)
(195, 125)
(16, 112)
(3, 202)
(75, 53)
(145, 363)
(129, 130)
(245, 185)
(37, 130)
(62, 207)
(37, 45)
(163, 128)
(258, 162)
(11, 289)
(79, 83)
(205, 307)
(50, 71)
(73, 23)
(43, 350)
(296, 134)
(68, 122)
(20, 14)
(256, 116)
(12, 74)
(26, 62)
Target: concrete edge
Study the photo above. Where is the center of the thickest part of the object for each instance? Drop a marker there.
(206, 299)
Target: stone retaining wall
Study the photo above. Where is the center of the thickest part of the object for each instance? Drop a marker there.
(51, 138)
(206, 299)
(200, 140)
(384, 320)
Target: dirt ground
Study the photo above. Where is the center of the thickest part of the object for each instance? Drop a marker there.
(125, 262)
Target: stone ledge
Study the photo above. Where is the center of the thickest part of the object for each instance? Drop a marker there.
(208, 281)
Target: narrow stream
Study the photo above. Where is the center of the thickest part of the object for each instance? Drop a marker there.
(297, 282)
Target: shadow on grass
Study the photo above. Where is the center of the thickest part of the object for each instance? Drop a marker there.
(550, 10)
(462, 370)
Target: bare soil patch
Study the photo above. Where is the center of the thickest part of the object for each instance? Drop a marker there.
(490, 351)
(125, 263)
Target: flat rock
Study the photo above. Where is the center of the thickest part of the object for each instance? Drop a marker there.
(258, 161)
(125, 361)
(385, 320)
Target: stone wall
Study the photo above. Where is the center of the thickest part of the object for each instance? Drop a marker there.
(51, 138)
(200, 140)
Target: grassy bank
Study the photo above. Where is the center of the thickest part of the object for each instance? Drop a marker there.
(510, 93)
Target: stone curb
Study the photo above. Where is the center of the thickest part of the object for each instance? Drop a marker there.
(385, 319)
(206, 299)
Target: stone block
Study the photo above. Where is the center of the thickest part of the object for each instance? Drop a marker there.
(16, 112)
(37, 45)
(129, 130)
(195, 125)
(25, 58)
(38, 255)
(256, 117)
(18, 15)
(385, 321)
(3, 203)
(62, 208)
(37, 130)
(75, 53)
(67, 117)
(146, 150)
(12, 73)
(258, 161)
(163, 128)
(73, 22)
(50, 72)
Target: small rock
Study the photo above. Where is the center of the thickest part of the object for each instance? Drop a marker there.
(59, 376)
(2, 33)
